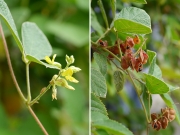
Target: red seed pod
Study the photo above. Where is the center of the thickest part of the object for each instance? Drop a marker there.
(138, 65)
(124, 63)
(164, 122)
(136, 39)
(156, 124)
(144, 57)
(129, 43)
(123, 47)
(154, 116)
(103, 43)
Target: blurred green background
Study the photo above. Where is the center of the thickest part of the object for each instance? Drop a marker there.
(66, 25)
(165, 41)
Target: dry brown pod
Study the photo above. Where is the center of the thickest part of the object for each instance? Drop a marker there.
(164, 122)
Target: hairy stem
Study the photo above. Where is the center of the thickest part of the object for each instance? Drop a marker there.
(10, 65)
(108, 30)
(103, 13)
(28, 83)
(139, 96)
(37, 120)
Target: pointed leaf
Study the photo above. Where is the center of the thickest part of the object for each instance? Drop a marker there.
(151, 61)
(112, 127)
(97, 105)
(155, 85)
(119, 80)
(169, 102)
(35, 42)
(133, 20)
(98, 83)
(7, 17)
(101, 60)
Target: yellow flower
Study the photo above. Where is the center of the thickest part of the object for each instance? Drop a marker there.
(68, 75)
(62, 82)
(51, 62)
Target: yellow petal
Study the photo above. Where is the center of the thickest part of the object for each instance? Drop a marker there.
(62, 82)
(71, 79)
(67, 72)
(54, 56)
(48, 60)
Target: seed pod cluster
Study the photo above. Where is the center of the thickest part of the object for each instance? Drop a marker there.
(129, 59)
(159, 121)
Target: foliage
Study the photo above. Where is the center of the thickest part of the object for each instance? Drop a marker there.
(47, 15)
(114, 34)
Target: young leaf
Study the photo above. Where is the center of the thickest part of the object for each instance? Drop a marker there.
(97, 105)
(133, 20)
(112, 127)
(100, 132)
(151, 61)
(119, 80)
(155, 85)
(101, 60)
(35, 42)
(95, 24)
(7, 17)
(169, 102)
(98, 83)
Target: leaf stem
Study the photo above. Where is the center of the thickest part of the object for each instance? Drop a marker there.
(103, 13)
(10, 65)
(37, 120)
(28, 83)
(138, 96)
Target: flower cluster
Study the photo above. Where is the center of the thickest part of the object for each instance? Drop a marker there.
(64, 74)
(159, 121)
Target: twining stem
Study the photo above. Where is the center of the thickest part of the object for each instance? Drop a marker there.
(139, 96)
(103, 13)
(10, 65)
(28, 83)
(37, 120)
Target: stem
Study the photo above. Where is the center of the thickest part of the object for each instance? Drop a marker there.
(140, 47)
(103, 35)
(37, 120)
(28, 83)
(139, 96)
(10, 65)
(118, 44)
(103, 13)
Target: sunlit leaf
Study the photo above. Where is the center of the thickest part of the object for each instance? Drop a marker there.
(155, 85)
(133, 20)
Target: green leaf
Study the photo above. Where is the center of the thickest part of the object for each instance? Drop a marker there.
(136, 1)
(35, 42)
(119, 80)
(133, 20)
(101, 60)
(172, 88)
(100, 132)
(7, 17)
(157, 72)
(151, 61)
(72, 33)
(97, 116)
(155, 85)
(169, 102)
(112, 127)
(95, 24)
(98, 83)
(97, 105)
